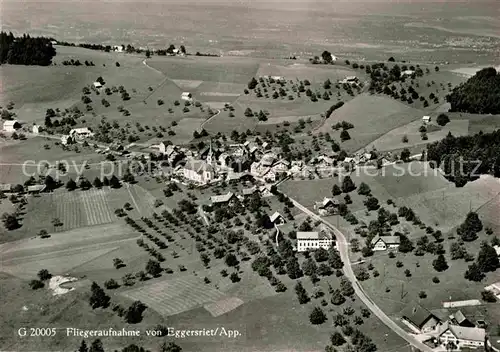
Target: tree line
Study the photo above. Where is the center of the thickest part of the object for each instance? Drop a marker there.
(25, 50)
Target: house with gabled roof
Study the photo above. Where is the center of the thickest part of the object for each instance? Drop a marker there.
(460, 336)
(187, 96)
(328, 206)
(223, 199)
(419, 319)
(277, 218)
(381, 243)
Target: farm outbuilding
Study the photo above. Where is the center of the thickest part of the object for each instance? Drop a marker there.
(426, 119)
(97, 85)
(11, 125)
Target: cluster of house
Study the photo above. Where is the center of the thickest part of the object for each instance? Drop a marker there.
(76, 134)
(455, 328)
(225, 163)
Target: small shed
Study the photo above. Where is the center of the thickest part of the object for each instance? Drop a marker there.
(426, 119)
(186, 96)
(11, 125)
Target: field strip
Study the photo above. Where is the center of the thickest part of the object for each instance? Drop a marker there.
(170, 297)
(63, 252)
(133, 200)
(186, 83)
(223, 306)
(74, 249)
(219, 94)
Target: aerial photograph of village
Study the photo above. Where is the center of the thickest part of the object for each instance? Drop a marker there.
(250, 176)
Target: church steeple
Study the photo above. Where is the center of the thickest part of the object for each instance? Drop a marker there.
(210, 153)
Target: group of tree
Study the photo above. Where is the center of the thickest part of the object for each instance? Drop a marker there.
(479, 95)
(486, 261)
(463, 159)
(25, 50)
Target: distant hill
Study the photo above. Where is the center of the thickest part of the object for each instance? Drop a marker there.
(479, 95)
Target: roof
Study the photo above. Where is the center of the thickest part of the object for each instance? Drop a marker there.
(459, 317)
(186, 94)
(313, 235)
(249, 191)
(36, 188)
(387, 239)
(97, 84)
(222, 198)
(80, 130)
(462, 333)
(5, 187)
(497, 249)
(351, 78)
(198, 166)
(327, 201)
(417, 315)
(275, 216)
(426, 117)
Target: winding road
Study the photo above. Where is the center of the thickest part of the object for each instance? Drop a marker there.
(358, 289)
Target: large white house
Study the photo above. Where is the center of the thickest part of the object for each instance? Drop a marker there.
(312, 240)
(460, 336)
(381, 243)
(198, 171)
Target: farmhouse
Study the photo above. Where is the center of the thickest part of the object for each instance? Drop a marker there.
(35, 189)
(461, 336)
(313, 240)
(419, 319)
(97, 85)
(277, 218)
(327, 206)
(187, 96)
(118, 48)
(224, 199)
(381, 243)
(198, 171)
(82, 132)
(11, 125)
(170, 152)
(426, 119)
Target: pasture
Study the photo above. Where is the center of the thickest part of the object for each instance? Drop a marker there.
(211, 69)
(372, 117)
(393, 139)
(174, 296)
(80, 209)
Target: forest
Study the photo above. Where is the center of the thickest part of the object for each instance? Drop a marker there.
(25, 50)
(479, 95)
(463, 159)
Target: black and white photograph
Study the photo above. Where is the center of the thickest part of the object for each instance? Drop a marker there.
(249, 175)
